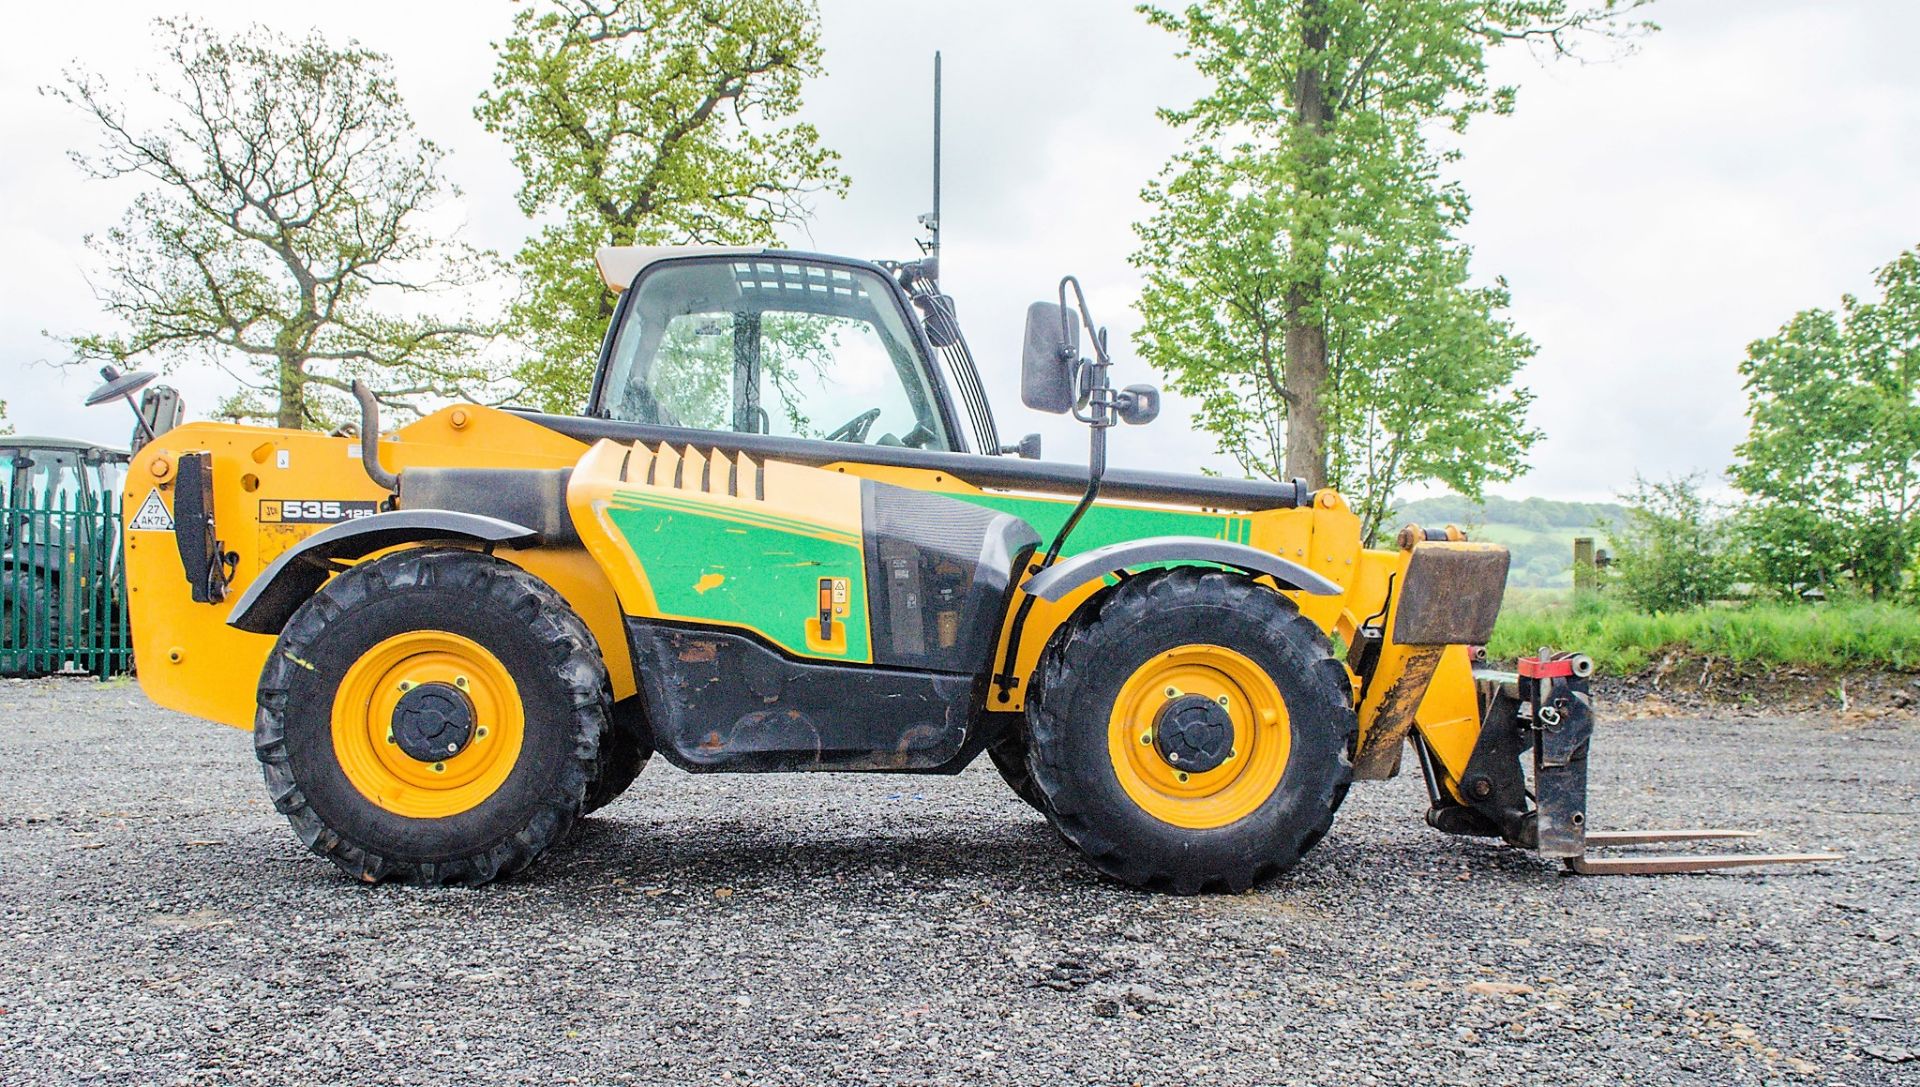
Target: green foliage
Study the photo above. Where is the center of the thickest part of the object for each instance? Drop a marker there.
(1832, 460)
(646, 122)
(281, 226)
(1530, 514)
(1305, 283)
(1622, 640)
(1672, 550)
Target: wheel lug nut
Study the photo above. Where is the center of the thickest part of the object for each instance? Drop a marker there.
(1182, 775)
(481, 732)
(460, 682)
(1222, 700)
(406, 685)
(1146, 737)
(1173, 692)
(390, 739)
(439, 767)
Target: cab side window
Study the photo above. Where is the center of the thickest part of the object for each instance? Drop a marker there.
(770, 346)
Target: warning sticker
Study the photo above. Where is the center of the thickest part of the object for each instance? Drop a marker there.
(153, 515)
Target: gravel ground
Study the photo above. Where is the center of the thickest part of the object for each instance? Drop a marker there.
(160, 924)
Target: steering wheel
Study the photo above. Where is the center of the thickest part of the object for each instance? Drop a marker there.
(855, 429)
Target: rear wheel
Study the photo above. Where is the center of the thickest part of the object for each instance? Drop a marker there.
(1189, 732)
(432, 716)
(629, 745)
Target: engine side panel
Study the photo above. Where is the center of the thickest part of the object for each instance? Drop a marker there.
(700, 537)
(788, 618)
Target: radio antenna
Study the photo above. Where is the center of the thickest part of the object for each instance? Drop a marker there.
(931, 220)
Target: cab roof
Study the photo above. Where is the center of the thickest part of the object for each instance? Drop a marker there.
(29, 441)
(620, 265)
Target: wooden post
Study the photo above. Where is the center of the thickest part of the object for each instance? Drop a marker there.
(1585, 574)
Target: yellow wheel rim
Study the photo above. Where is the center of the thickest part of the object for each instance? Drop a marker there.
(363, 714)
(1261, 737)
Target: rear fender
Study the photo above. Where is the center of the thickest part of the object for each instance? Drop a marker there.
(272, 598)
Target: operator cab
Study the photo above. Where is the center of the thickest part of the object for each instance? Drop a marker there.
(41, 475)
(783, 344)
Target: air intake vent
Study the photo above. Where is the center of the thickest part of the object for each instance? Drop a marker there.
(695, 468)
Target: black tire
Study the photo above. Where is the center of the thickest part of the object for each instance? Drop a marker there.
(629, 745)
(1009, 756)
(1083, 673)
(554, 666)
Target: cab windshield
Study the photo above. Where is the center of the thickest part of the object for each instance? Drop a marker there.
(763, 345)
(36, 483)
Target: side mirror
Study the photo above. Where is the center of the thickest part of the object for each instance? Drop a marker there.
(1137, 405)
(1048, 361)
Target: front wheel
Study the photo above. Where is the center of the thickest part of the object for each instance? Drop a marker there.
(432, 716)
(1189, 732)
(1009, 756)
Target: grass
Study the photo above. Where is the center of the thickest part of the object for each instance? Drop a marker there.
(1621, 640)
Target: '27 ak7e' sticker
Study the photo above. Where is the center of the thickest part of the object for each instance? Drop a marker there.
(313, 511)
(152, 515)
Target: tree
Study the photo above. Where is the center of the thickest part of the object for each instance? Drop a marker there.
(1304, 280)
(1673, 549)
(1832, 457)
(646, 122)
(284, 221)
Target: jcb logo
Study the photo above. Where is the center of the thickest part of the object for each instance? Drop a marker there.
(313, 510)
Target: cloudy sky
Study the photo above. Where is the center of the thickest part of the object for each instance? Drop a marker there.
(1652, 215)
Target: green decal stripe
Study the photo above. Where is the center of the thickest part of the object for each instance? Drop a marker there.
(706, 507)
(759, 518)
(1105, 524)
(768, 576)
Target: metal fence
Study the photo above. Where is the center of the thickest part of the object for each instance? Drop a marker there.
(62, 586)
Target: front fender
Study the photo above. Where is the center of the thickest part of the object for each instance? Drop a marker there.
(1064, 577)
(296, 575)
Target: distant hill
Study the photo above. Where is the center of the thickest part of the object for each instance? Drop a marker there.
(1538, 531)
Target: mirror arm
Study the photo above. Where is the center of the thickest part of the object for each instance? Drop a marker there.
(1099, 416)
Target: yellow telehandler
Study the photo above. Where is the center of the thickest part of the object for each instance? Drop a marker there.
(783, 534)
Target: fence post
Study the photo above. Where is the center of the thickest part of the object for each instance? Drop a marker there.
(1586, 576)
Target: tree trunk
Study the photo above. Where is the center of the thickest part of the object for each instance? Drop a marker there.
(1307, 380)
(293, 396)
(1306, 340)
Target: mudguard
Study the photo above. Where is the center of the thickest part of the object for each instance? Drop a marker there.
(296, 575)
(1064, 577)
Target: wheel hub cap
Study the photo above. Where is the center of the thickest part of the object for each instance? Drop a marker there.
(1194, 733)
(433, 722)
